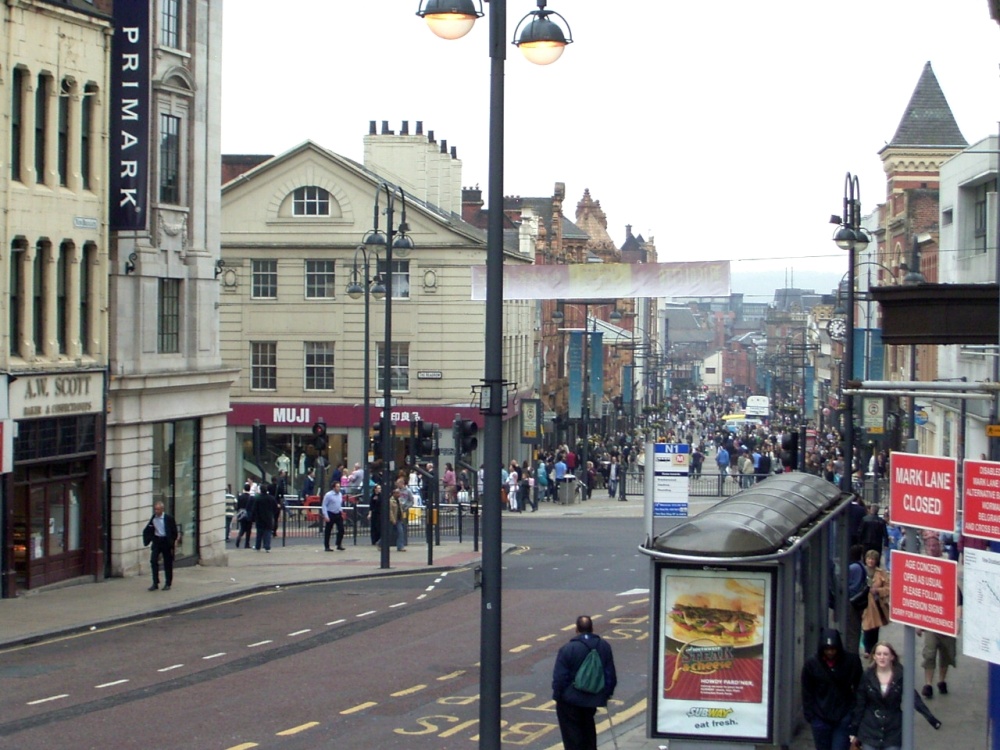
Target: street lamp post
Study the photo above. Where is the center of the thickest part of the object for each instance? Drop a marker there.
(392, 238)
(850, 236)
(542, 41)
(372, 287)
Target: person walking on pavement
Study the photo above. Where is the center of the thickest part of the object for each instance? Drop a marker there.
(830, 680)
(161, 533)
(942, 649)
(333, 504)
(873, 532)
(877, 720)
(575, 709)
(243, 518)
(265, 512)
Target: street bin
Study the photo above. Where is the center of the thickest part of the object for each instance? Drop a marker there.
(567, 492)
(739, 593)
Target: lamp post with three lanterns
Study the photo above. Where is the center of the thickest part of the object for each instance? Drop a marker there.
(392, 238)
(371, 287)
(542, 41)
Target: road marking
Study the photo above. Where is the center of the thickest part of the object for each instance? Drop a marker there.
(438, 580)
(519, 649)
(296, 730)
(369, 612)
(569, 627)
(244, 746)
(422, 596)
(172, 666)
(634, 592)
(337, 622)
(259, 643)
(616, 608)
(408, 691)
(46, 700)
(214, 656)
(359, 707)
(451, 676)
(429, 588)
(397, 604)
(299, 632)
(110, 684)
(548, 637)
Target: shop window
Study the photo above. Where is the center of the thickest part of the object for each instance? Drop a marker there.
(176, 472)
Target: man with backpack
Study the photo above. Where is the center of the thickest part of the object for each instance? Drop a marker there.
(583, 679)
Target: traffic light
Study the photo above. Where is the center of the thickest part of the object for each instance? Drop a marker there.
(465, 437)
(376, 440)
(425, 438)
(259, 439)
(319, 436)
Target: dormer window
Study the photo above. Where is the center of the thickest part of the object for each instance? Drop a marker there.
(310, 201)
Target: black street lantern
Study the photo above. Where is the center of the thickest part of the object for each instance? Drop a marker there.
(452, 19)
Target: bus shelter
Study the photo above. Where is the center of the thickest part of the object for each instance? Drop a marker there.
(739, 594)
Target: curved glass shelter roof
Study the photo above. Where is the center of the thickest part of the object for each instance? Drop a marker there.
(761, 521)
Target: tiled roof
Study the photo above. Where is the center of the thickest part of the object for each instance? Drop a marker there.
(928, 120)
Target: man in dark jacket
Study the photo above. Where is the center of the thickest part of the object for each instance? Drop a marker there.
(264, 512)
(829, 681)
(161, 533)
(575, 708)
(873, 533)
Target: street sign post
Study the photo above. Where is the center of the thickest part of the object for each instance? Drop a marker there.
(925, 592)
(981, 500)
(922, 491)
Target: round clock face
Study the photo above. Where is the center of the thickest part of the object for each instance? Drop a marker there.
(837, 328)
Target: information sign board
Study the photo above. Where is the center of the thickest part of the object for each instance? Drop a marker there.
(922, 491)
(670, 479)
(924, 592)
(981, 605)
(981, 499)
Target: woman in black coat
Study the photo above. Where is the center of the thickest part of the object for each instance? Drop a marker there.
(878, 710)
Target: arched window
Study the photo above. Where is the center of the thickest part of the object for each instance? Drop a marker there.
(310, 201)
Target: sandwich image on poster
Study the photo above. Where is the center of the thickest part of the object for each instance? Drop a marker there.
(715, 648)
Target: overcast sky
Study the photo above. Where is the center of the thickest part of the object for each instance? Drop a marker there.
(719, 129)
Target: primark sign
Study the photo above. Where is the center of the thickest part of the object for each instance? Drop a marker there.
(130, 126)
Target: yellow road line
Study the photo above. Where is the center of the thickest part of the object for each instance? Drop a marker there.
(296, 730)
(615, 609)
(359, 707)
(570, 627)
(451, 676)
(548, 637)
(244, 746)
(519, 649)
(408, 691)
(640, 601)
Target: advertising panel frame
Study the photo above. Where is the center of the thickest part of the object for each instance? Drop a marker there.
(716, 715)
